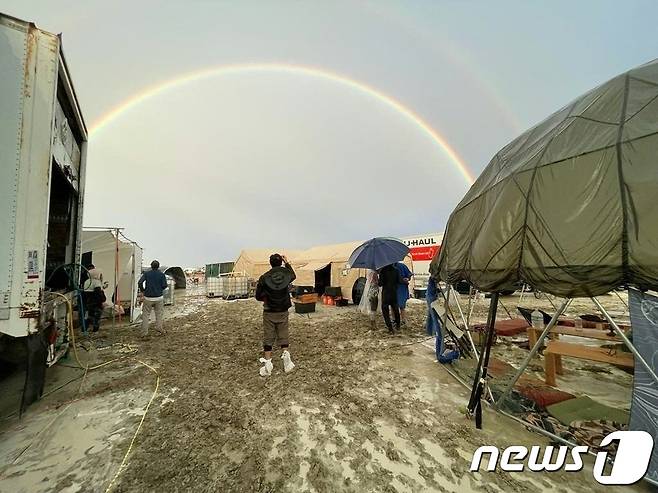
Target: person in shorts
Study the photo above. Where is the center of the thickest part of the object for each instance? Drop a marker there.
(273, 290)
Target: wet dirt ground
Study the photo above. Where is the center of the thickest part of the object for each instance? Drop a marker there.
(362, 411)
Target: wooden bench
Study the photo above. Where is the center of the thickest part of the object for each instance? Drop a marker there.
(555, 349)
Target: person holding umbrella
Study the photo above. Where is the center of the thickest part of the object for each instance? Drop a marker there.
(381, 254)
(389, 279)
(403, 289)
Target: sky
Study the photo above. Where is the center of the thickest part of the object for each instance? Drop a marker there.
(338, 121)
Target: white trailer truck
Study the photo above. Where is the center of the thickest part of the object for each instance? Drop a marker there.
(43, 142)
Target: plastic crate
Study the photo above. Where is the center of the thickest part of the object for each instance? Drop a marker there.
(304, 307)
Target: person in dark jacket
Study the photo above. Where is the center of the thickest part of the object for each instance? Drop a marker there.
(152, 285)
(389, 278)
(95, 301)
(273, 290)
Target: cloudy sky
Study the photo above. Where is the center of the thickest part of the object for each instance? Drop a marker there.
(341, 133)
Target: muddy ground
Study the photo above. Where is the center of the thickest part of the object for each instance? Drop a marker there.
(363, 411)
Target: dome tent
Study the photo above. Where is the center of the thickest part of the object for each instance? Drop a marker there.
(569, 206)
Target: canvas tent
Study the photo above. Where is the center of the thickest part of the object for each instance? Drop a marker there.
(319, 266)
(103, 249)
(569, 206)
(255, 262)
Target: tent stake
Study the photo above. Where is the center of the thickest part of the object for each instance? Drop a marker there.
(628, 343)
(533, 351)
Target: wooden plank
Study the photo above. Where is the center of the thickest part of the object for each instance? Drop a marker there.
(571, 331)
(601, 355)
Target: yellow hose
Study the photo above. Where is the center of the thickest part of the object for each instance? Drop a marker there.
(139, 427)
(69, 320)
(87, 368)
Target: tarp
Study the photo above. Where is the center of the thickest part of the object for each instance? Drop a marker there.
(586, 409)
(569, 206)
(314, 266)
(644, 409)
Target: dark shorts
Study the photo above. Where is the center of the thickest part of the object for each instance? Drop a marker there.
(275, 328)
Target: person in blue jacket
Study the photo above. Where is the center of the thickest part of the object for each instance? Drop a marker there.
(403, 290)
(433, 325)
(152, 285)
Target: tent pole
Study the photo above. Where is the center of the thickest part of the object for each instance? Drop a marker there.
(480, 380)
(475, 300)
(533, 351)
(550, 301)
(522, 292)
(466, 326)
(447, 300)
(628, 343)
(470, 340)
(622, 300)
(505, 308)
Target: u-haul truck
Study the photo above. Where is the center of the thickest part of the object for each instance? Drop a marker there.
(422, 249)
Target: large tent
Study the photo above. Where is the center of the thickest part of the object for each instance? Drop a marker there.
(318, 266)
(569, 206)
(111, 254)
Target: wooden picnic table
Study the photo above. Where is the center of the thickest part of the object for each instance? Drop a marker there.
(555, 349)
(601, 335)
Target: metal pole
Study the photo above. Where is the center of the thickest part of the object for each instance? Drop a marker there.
(475, 300)
(470, 340)
(447, 300)
(628, 343)
(466, 326)
(480, 381)
(505, 308)
(117, 296)
(550, 301)
(114, 285)
(622, 300)
(533, 351)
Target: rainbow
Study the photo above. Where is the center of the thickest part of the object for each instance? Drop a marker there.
(224, 70)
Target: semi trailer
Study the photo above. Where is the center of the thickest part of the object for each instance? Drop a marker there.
(43, 145)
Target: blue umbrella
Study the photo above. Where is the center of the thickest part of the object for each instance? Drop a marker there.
(377, 253)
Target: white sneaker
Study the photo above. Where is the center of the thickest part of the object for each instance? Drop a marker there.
(266, 369)
(288, 365)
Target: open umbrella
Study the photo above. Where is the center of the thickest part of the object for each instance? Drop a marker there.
(377, 253)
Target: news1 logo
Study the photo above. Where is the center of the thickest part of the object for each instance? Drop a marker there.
(629, 466)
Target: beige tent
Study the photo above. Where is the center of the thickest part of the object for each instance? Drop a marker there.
(318, 266)
(256, 261)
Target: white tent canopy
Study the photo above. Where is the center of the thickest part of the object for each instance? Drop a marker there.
(114, 256)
